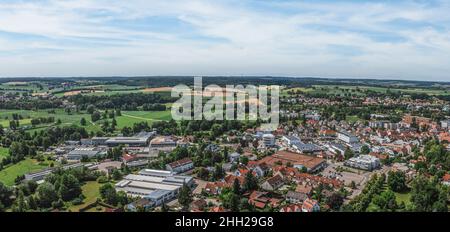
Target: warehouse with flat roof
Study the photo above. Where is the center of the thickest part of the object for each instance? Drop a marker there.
(156, 185)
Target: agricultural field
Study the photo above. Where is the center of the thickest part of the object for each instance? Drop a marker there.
(98, 90)
(128, 118)
(10, 173)
(23, 87)
(358, 90)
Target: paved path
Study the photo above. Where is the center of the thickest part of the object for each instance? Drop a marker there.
(137, 117)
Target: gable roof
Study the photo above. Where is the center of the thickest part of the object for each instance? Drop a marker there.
(180, 163)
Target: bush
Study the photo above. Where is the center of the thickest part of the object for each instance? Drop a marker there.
(102, 179)
(77, 201)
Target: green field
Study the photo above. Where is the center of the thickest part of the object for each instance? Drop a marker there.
(68, 119)
(358, 90)
(22, 87)
(91, 191)
(351, 119)
(403, 197)
(128, 118)
(9, 174)
(4, 152)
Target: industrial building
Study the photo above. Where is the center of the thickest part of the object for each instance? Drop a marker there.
(158, 186)
(90, 152)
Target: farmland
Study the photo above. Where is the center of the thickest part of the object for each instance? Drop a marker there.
(128, 118)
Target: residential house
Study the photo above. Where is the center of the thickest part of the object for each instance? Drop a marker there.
(180, 166)
(296, 197)
(294, 208)
(273, 183)
(446, 179)
(310, 205)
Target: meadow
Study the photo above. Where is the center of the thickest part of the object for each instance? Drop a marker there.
(10, 173)
(128, 118)
(91, 191)
(4, 152)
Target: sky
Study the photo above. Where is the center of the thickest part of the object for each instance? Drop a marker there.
(319, 38)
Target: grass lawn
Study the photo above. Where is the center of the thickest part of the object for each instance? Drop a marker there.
(91, 191)
(4, 152)
(9, 174)
(66, 119)
(128, 118)
(403, 197)
(351, 119)
(22, 122)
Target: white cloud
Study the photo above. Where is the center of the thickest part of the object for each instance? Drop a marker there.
(83, 38)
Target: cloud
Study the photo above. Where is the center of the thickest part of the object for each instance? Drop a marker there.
(401, 39)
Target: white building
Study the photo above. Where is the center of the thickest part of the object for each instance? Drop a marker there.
(290, 139)
(163, 141)
(156, 185)
(180, 165)
(445, 124)
(234, 157)
(268, 140)
(365, 162)
(347, 137)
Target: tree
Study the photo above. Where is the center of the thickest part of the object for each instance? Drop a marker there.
(236, 187)
(5, 195)
(230, 200)
(58, 204)
(46, 194)
(386, 201)
(219, 173)
(95, 116)
(113, 124)
(13, 125)
(348, 154)
(250, 182)
(428, 195)
(20, 204)
(32, 203)
(397, 181)
(185, 196)
(353, 185)
(244, 160)
(116, 174)
(335, 201)
(83, 121)
(365, 149)
(90, 109)
(108, 194)
(69, 187)
(203, 173)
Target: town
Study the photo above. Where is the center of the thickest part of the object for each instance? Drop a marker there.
(108, 145)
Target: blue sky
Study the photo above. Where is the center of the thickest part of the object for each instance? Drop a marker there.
(370, 39)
